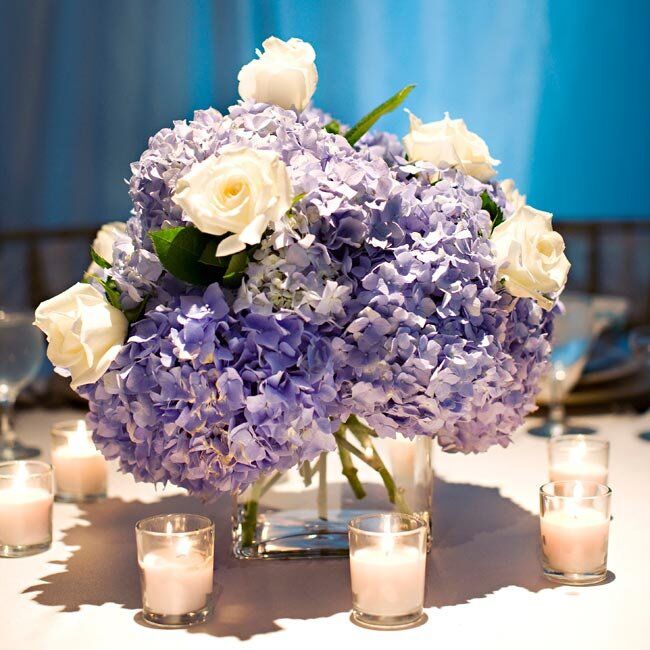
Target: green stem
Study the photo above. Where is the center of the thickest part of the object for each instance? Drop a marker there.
(307, 472)
(370, 456)
(358, 428)
(322, 487)
(349, 470)
(374, 461)
(249, 522)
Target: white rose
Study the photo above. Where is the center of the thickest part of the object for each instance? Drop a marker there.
(285, 74)
(239, 191)
(450, 141)
(514, 198)
(84, 332)
(530, 255)
(106, 236)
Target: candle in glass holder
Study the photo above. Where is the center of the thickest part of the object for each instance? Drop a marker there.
(574, 525)
(176, 558)
(578, 458)
(80, 470)
(387, 569)
(25, 508)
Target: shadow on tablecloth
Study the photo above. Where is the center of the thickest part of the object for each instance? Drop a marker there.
(482, 542)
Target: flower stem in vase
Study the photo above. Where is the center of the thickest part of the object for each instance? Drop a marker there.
(349, 470)
(322, 487)
(249, 522)
(307, 472)
(365, 435)
(370, 456)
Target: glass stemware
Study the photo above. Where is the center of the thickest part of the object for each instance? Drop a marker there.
(572, 338)
(21, 354)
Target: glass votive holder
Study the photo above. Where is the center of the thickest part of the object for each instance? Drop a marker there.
(578, 458)
(387, 568)
(574, 525)
(176, 561)
(25, 507)
(80, 470)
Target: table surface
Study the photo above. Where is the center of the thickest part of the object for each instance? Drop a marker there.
(484, 583)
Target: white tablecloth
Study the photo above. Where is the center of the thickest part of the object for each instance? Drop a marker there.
(484, 586)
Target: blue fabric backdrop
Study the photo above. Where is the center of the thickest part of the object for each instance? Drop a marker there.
(559, 89)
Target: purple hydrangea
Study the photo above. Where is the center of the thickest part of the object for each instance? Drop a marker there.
(435, 348)
(376, 295)
(374, 144)
(209, 402)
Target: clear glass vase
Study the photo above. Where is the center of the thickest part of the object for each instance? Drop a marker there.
(304, 512)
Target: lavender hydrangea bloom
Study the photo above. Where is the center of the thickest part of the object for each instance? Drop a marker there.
(374, 144)
(380, 144)
(136, 271)
(375, 295)
(208, 403)
(434, 349)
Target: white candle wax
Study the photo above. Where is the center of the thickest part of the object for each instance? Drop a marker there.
(79, 471)
(25, 516)
(578, 471)
(575, 540)
(175, 583)
(388, 582)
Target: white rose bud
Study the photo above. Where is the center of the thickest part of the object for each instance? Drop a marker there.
(239, 191)
(450, 141)
(106, 236)
(84, 332)
(514, 198)
(530, 255)
(285, 74)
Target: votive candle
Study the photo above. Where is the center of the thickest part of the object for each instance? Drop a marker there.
(25, 508)
(574, 526)
(176, 561)
(80, 470)
(578, 458)
(387, 569)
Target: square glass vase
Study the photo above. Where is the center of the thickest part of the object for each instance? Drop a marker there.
(304, 512)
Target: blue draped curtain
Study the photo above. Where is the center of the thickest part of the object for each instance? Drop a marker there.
(559, 89)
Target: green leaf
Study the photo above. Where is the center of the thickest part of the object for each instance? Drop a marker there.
(110, 288)
(497, 222)
(495, 212)
(113, 297)
(134, 314)
(333, 127)
(180, 251)
(99, 260)
(298, 197)
(112, 292)
(366, 123)
(209, 255)
(236, 267)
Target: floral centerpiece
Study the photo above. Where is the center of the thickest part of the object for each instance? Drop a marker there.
(287, 286)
